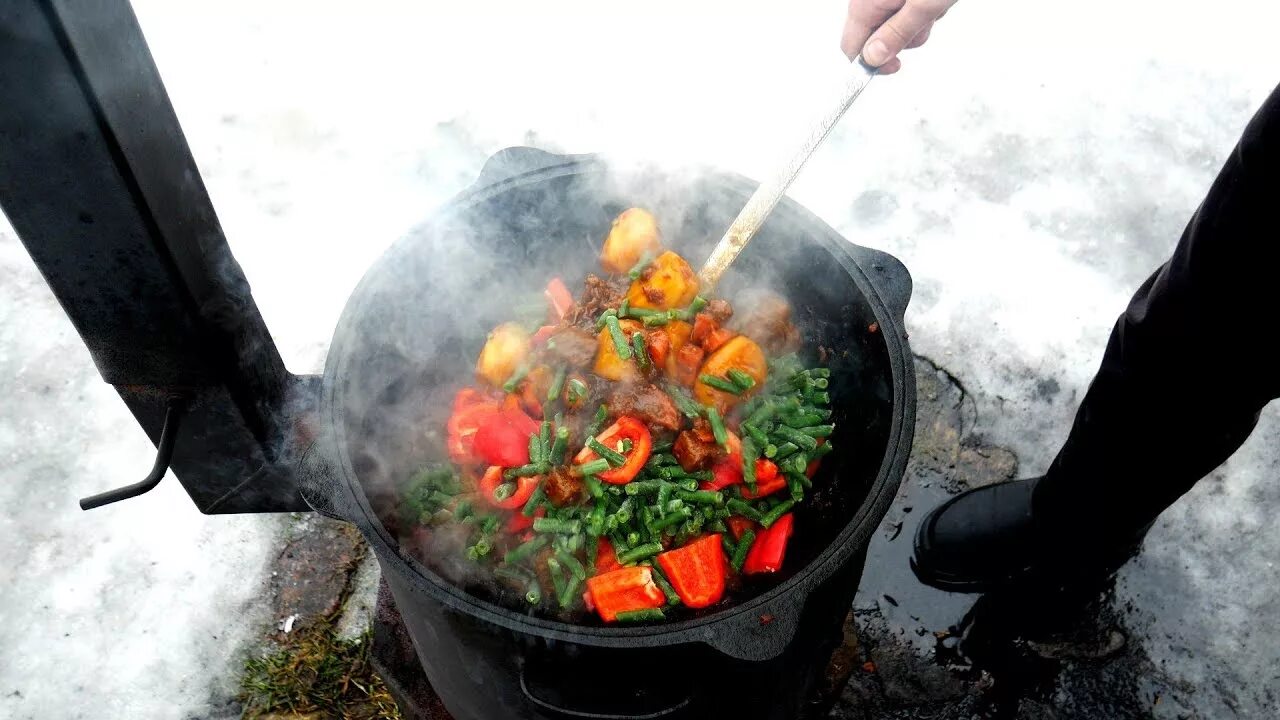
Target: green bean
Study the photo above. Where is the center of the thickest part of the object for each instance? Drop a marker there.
(557, 576)
(701, 497)
(796, 486)
(671, 472)
(600, 321)
(623, 513)
(741, 380)
(818, 372)
(514, 381)
(691, 483)
(656, 320)
(817, 431)
(717, 427)
(716, 525)
(624, 308)
(560, 446)
(641, 353)
(671, 520)
(535, 450)
(821, 383)
(513, 574)
(770, 450)
(696, 306)
(660, 579)
(819, 451)
(749, 455)
(619, 339)
(636, 487)
(801, 440)
(762, 414)
(639, 552)
(633, 538)
(569, 595)
(504, 491)
(571, 562)
(596, 520)
(803, 419)
(664, 494)
(524, 550)
(638, 268)
(645, 615)
(597, 422)
(771, 517)
(556, 525)
(720, 384)
(575, 391)
(534, 502)
(739, 555)
(594, 467)
(739, 507)
(684, 403)
(525, 471)
(611, 456)
(662, 446)
(785, 450)
(533, 595)
(756, 434)
(672, 506)
(821, 398)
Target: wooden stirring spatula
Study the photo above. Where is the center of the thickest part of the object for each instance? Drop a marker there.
(772, 190)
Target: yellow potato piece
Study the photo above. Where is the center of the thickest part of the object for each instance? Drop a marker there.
(668, 283)
(633, 234)
(506, 348)
(741, 353)
(609, 364)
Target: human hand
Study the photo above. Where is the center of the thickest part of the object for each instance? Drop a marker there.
(880, 29)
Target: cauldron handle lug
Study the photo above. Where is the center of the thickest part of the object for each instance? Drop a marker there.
(530, 688)
(887, 274)
(761, 634)
(513, 161)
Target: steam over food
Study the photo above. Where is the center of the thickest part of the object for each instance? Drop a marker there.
(640, 450)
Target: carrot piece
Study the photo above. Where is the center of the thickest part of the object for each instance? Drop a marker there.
(560, 299)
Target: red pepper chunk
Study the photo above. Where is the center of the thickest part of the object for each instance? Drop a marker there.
(626, 428)
(630, 588)
(559, 297)
(471, 410)
(606, 558)
(525, 486)
(697, 571)
(738, 525)
(768, 480)
(518, 523)
(502, 438)
(770, 548)
(543, 334)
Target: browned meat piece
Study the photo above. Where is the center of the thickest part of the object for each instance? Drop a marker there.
(597, 295)
(693, 452)
(766, 318)
(648, 403)
(702, 430)
(573, 346)
(562, 487)
(720, 311)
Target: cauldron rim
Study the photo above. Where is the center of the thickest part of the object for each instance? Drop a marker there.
(348, 501)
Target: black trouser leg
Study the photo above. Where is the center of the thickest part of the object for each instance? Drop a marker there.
(1189, 364)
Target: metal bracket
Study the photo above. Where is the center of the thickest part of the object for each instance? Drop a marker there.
(164, 453)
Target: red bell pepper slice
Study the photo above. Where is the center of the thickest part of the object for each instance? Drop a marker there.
(630, 588)
(770, 548)
(738, 525)
(606, 558)
(768, 480)
(543, 334)
(559, 297)
(519, 523)
(502, 438)
(626, 428)
(492, 478)
(471, 410)
(727, 470)
(697, 571)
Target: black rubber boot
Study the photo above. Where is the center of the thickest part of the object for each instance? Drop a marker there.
(989, 539)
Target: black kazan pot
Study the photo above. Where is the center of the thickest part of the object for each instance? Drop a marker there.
(408, 339)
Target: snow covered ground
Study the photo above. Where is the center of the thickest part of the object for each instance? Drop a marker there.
(1030, 165)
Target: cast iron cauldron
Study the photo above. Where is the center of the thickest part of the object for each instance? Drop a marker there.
(408, 338)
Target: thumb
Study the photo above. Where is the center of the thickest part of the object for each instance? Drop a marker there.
(896, 33)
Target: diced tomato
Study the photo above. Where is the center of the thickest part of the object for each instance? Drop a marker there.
(502, 438)
(658, 344)
(543, 334)
(471, 410)
(492, 478)
(625, 428)
(770, 548)
(606, 558)
(738, 525)
(718, 337)
(688, 360)
(560, 299)
(697, 571)
(703, 325)
(629, 588)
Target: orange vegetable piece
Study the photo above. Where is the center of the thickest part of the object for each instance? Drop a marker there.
(634, 233)
(740, 353)
(506, 348)
(609, 364)
(667, 283)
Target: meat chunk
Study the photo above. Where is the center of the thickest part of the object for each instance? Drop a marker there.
(573, 346)
(562, 487)
(766, 319)
(597, 295)
(648, 403)
(693, 452)
(720, 311)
